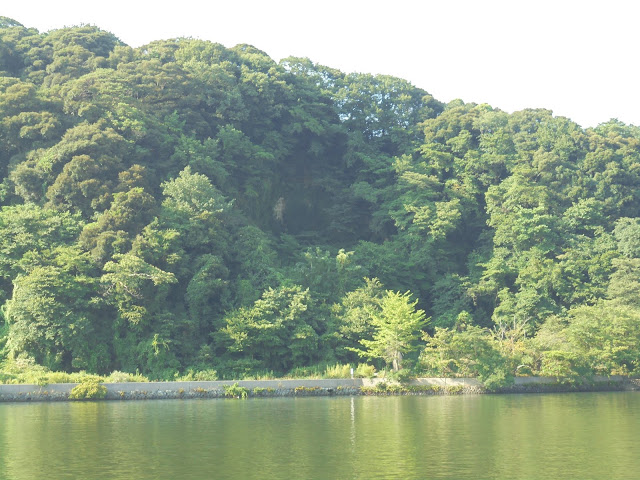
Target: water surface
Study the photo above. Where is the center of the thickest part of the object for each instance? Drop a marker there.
(562, 436)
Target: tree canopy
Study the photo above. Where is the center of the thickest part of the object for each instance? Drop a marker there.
(184, 205)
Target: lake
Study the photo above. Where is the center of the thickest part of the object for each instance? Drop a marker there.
(552, 436)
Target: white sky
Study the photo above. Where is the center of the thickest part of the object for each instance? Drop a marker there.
(577, 58)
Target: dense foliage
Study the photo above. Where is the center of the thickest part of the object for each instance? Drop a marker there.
(184, 207)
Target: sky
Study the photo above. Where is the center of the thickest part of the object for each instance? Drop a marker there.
(577, 58)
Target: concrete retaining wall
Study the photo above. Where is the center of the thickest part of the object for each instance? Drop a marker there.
(156, 390)
(551, 380)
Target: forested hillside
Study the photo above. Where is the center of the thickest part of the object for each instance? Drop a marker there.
(183, 206)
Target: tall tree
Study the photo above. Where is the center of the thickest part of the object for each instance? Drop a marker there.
(397, 327)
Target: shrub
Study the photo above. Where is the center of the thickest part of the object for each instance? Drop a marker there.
(368, 390)
(499, 379)
(381, 387)
(235, 391)
(23, 370)
(59, 377)
(365, 371)
(386, 388)
(312, 371)
(243, 368)
(263, 392)
(338, 371)
(5, 377)
(454, 389)
(304, 390)
(421, 388)
(63, 377)
(402, 376)
(124, 377)
(209, 375)
(396, 388)
(199, 376)
(90, 389)
(261, 375)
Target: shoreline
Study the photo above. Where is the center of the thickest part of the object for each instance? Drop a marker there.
(306, 388)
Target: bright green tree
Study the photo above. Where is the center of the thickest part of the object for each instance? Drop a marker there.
(54, 315)
(397, 327)
(275, 333)
(467, 350)
(351, 319)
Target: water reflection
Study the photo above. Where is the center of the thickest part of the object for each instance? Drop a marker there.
(537, 436)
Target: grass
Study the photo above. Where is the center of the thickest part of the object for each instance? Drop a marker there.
(25, 371)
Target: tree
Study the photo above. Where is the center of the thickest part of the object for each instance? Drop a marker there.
(607, 335)
(397, 327)
(115, 228)
(30, 228)
(352, 319)
(275, 333)
(466, 350)
(255, 260)
(144, 330)
(85, 185)
(54, 315)
(198, 178)
(132, 285)
(627, 233)
(599, 339)
(196, 209)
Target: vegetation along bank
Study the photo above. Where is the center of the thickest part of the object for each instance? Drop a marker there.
(186, 210)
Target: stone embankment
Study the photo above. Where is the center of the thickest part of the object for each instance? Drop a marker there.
(296, 388)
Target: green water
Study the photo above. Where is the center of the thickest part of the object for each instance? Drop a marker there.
(576, 436)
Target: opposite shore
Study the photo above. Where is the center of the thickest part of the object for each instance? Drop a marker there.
(304, 387)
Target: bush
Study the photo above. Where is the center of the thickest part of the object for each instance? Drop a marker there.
(59, 377)
(337, 371)
(381, 387)
(262, 392)
(238, 369)
(499, 379)
(199, 376)
(90, 389)
(301, 390)
(466, 352)
(425, 388)
(402, 376)
(454, 389)
(312, 371)
(209, 375)
(235, 391)
(261, 375)
(23, 370)
(365, 371)
(124, 377)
